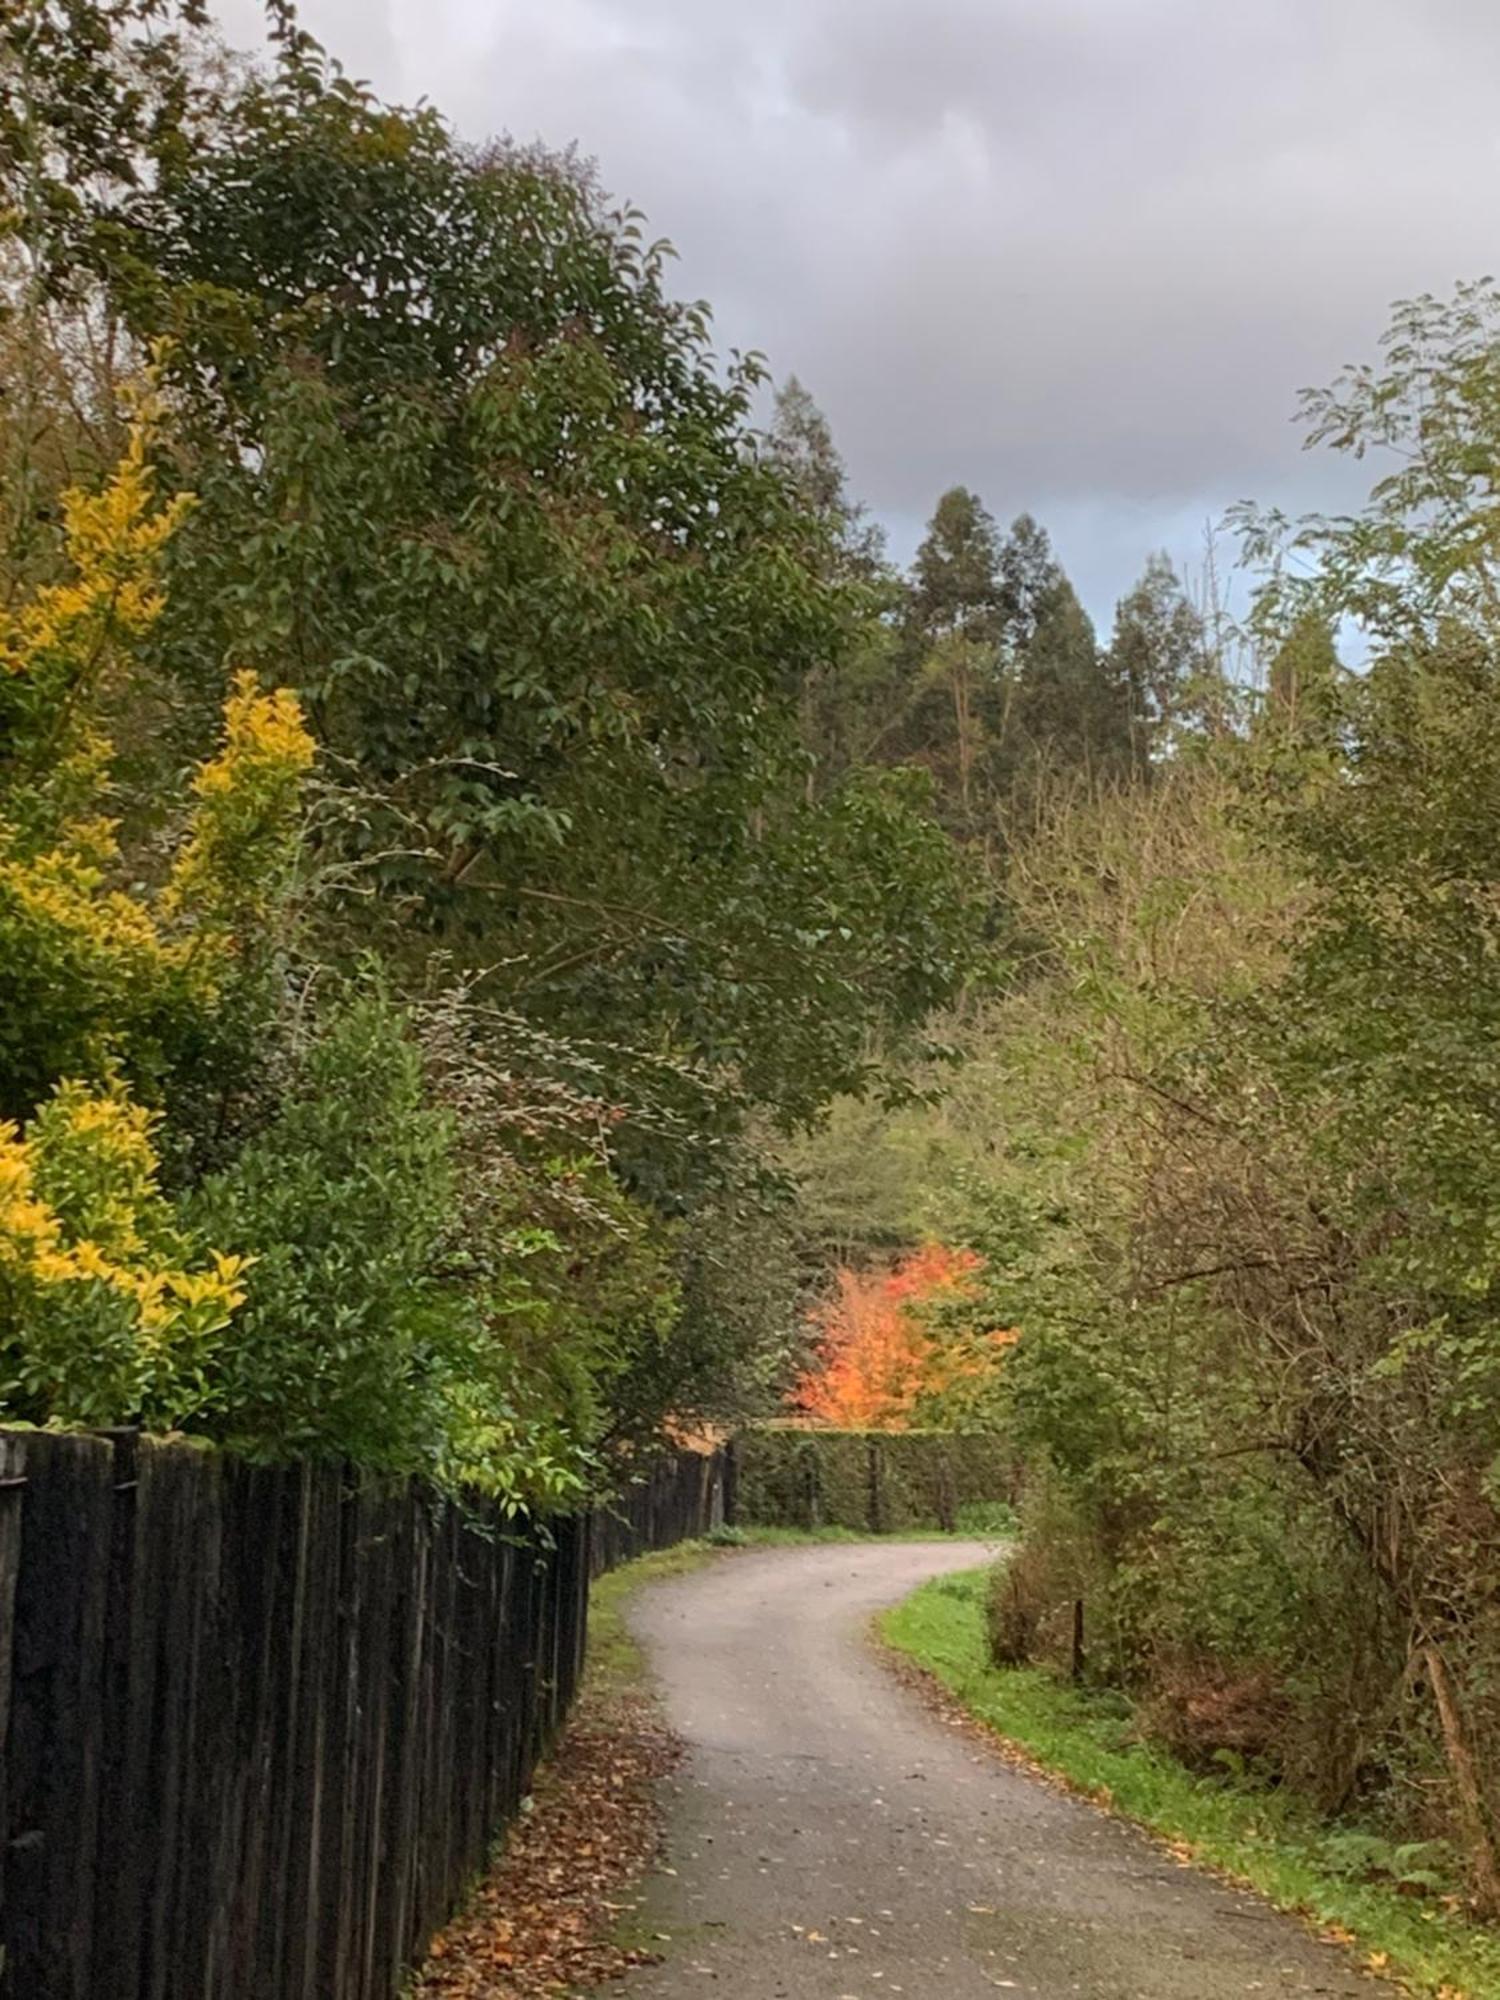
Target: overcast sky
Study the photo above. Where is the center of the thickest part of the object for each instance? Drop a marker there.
(1077, 254)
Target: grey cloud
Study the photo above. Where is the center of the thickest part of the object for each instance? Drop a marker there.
(1080, 254)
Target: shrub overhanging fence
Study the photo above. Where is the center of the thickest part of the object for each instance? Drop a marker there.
(261, 1724)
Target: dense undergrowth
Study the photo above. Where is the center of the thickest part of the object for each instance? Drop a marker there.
(1223, 1149)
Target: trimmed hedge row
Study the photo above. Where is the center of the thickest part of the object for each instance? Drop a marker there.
(876, 1482)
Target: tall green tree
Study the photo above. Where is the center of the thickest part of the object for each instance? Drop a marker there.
(848, 702)
(475, 482)
(1066, 715)
(1302, 684)
(952, 658)
(956, 587)
(800, 444)
(1068, 706)
(1008, 688)
(1030, 577)
(1158, 651)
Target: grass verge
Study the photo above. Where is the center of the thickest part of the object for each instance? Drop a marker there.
(1261, 1838)
(616, 1664)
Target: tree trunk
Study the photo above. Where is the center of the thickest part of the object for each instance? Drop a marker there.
(1470, 1785)
(965, 738)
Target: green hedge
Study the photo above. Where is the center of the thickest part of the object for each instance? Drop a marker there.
(877, 1482)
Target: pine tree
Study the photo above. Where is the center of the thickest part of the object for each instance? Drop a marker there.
(800, 444)
(956, 585)
(1068, 708)
(953, 659)
(845, 706)
(1064, 712)
(1030, 576)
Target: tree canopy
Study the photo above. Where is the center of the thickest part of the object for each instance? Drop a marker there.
(442, 460)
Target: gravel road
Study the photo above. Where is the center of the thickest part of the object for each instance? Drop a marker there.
(830, 1839)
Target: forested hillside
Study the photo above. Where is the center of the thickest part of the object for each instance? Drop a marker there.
(520, 922)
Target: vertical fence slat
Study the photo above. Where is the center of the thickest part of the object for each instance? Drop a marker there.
(123, 1844)
(55, 1727)
(204, 1872)
(255, 1499)
(12, 1487)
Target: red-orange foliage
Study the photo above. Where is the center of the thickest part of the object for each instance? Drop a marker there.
(875, 1358)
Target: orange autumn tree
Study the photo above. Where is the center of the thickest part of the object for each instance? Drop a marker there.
(875, 1355)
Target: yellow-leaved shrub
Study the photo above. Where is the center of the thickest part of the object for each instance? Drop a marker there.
(108, 1312)
(95, 971)
(233, 869)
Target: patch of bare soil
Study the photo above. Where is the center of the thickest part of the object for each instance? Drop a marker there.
(546, 1919)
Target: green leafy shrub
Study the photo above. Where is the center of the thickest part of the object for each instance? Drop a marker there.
(346, 1201)
(1036, 1588)
(413, 1307)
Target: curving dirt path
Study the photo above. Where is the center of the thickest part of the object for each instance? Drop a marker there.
(829, 1839)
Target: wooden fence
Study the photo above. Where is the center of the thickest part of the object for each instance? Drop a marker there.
(261, 1724)
(673, 1500)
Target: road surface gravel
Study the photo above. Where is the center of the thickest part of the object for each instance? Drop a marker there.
(831, 1838)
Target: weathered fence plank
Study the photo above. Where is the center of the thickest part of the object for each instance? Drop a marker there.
(56, 1728)
(12, 1485)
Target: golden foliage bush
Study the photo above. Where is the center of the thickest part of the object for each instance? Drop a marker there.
(108, 1310)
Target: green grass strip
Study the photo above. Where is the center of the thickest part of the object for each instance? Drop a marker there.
(616, 1664)
(1267, 1839)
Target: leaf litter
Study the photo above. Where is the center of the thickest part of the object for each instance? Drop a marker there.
(546, 1919)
